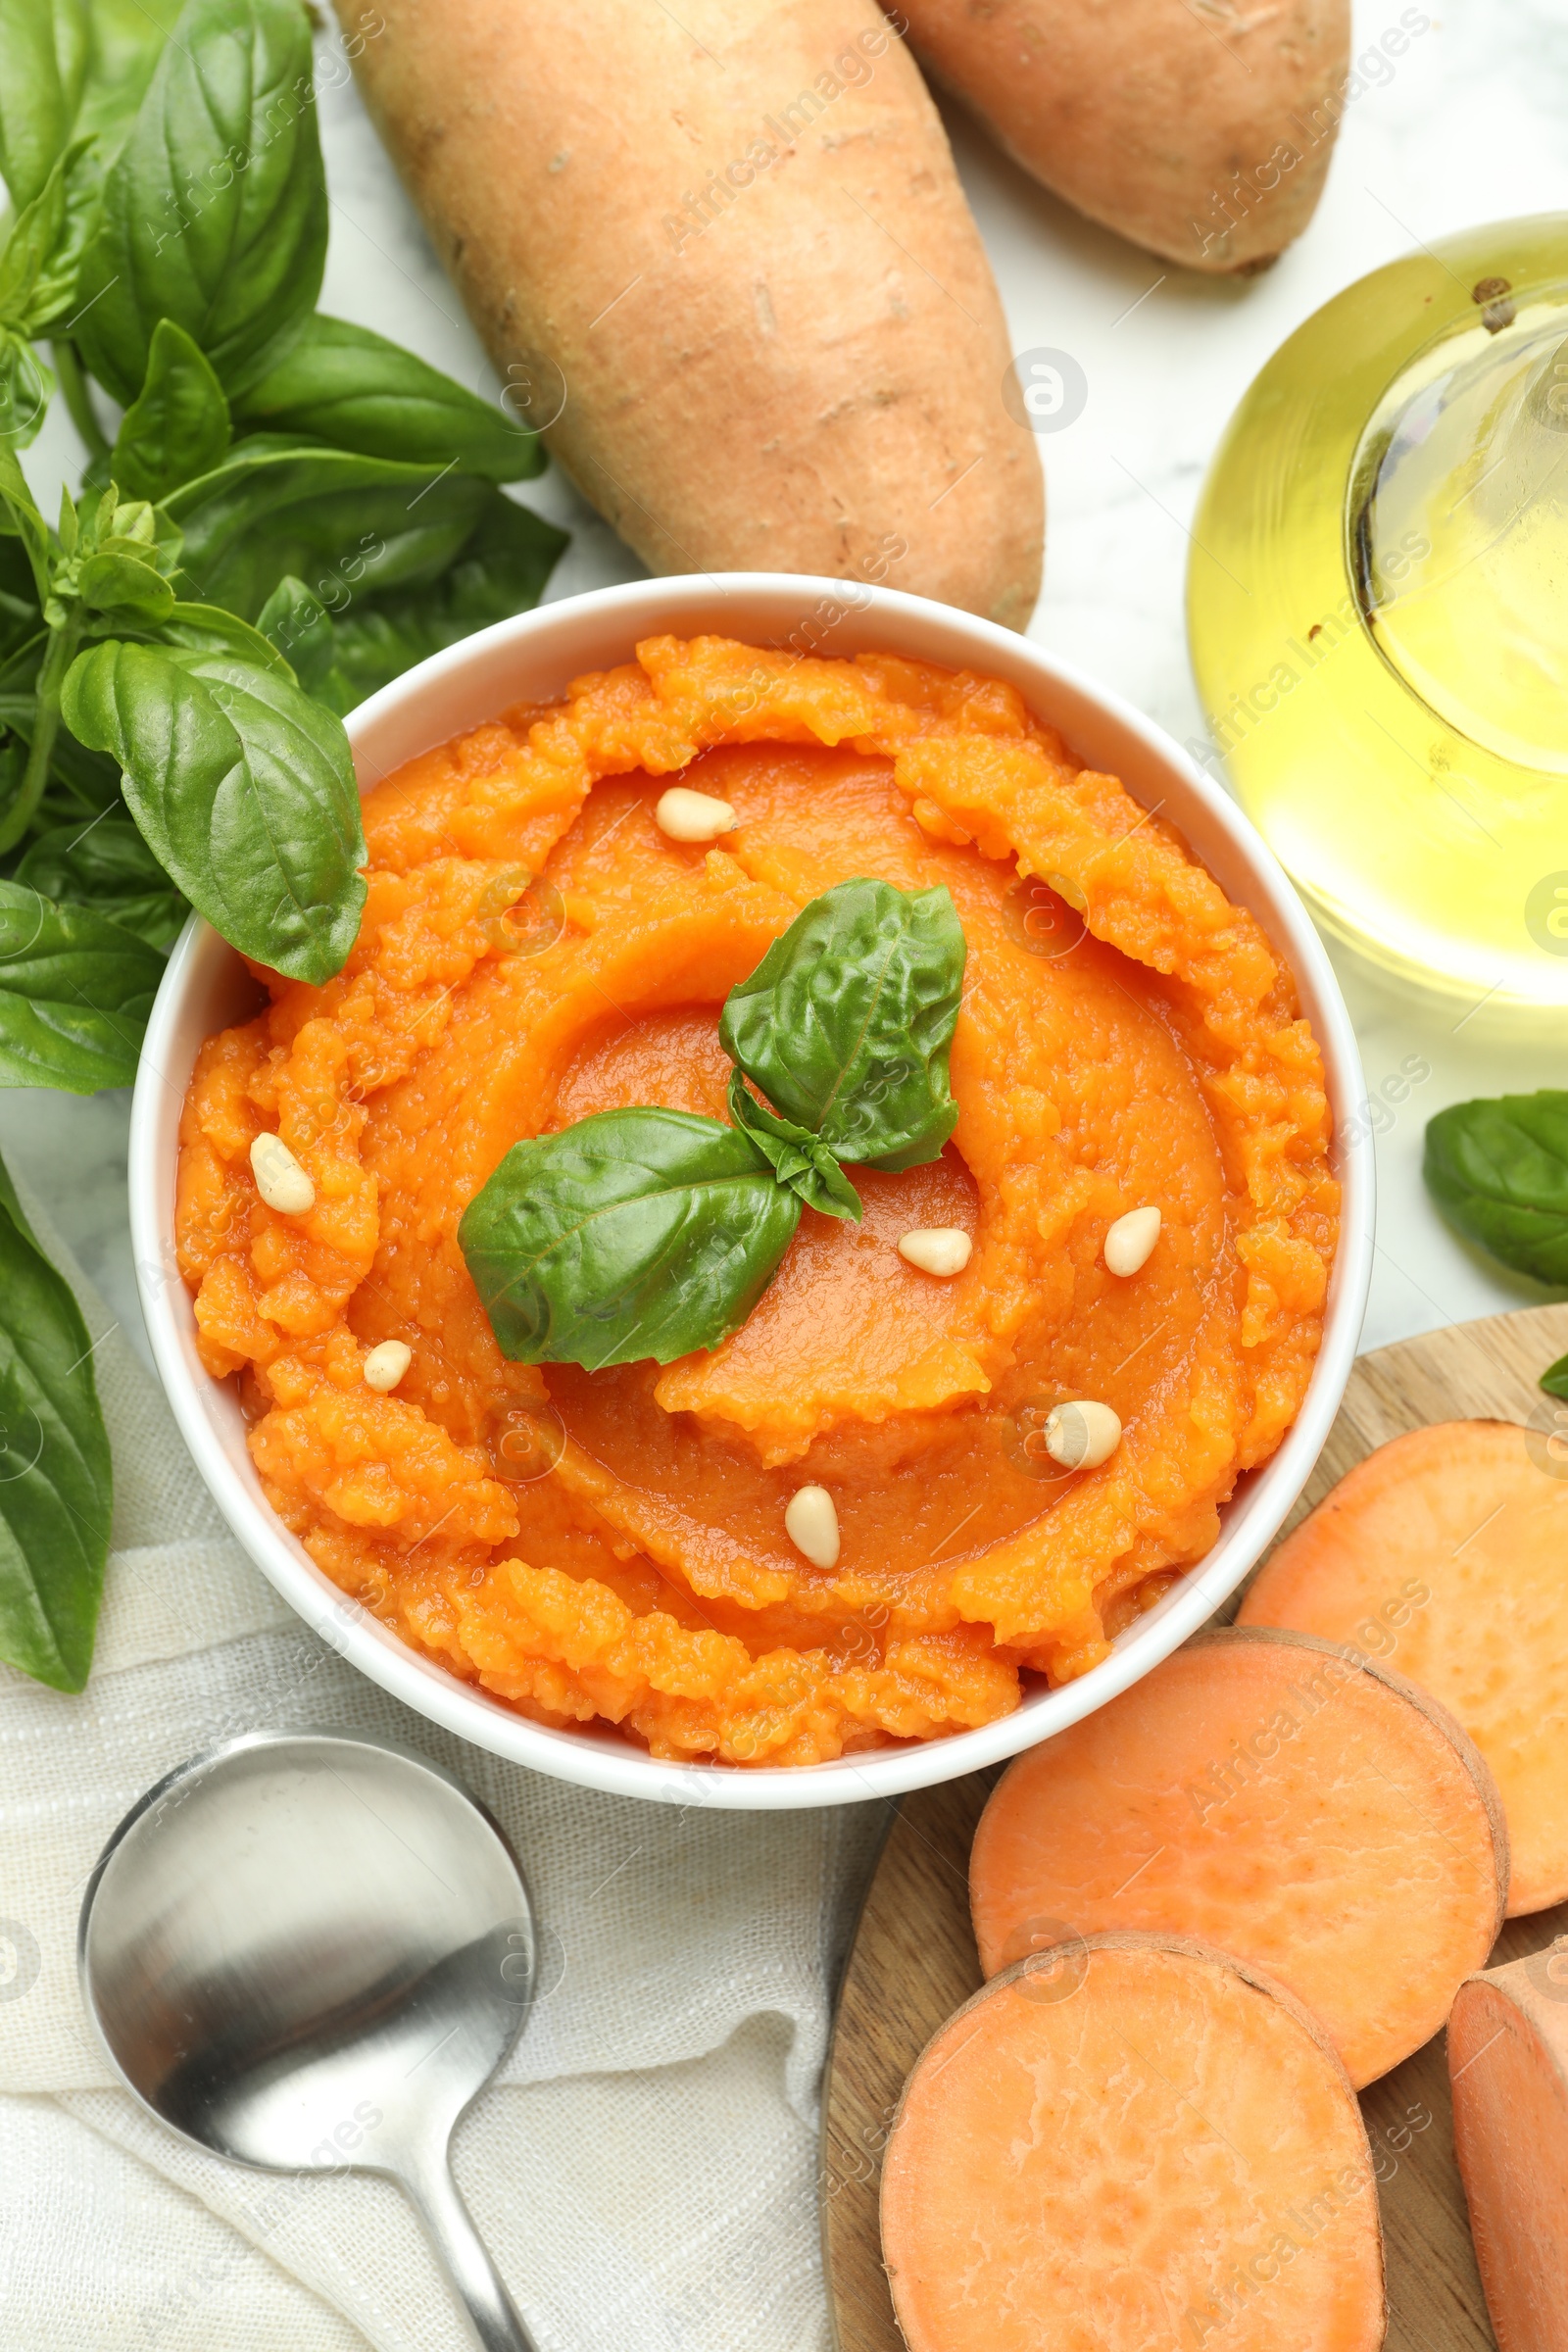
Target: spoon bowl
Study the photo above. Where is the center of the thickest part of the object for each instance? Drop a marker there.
(310, 1953)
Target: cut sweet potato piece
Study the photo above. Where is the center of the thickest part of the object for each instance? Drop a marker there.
(1320, 1818)
(1136, 2142)
(1508, 2066)
(1446, 1552)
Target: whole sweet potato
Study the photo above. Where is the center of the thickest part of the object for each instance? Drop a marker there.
(740, 240)
(1200, 128)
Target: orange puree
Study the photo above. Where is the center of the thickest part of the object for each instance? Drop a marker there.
(612, 1545)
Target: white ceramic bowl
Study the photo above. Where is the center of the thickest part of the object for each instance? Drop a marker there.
(531, 659)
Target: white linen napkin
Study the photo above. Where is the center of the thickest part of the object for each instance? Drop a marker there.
(644, 2170)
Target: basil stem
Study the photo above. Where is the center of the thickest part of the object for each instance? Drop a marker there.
(57, 657)
(77, 399)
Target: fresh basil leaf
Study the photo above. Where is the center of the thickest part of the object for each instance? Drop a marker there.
(1554, 1379)
(214, 210)
(26, 248)
(209, 629)
(41, 264)
(376, 643)
(56, 1479)
(635, 1234)
(43, 65)
(798, 1157)
(103, 863)
(352, 389)
(348, 527)
(124, 586)
(299, 626)
(27, 387)
(81, 199)
(20, 518)
(126, 39)
(87, 780)
(502, 569)
(177, 425)
(244, 790)
(845, 1026)
(11, 1202)
(1498, 1171)
(74, 993)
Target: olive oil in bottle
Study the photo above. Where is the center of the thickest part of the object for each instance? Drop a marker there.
(1378, 610)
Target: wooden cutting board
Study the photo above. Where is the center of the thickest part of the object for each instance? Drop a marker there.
(913, 1961)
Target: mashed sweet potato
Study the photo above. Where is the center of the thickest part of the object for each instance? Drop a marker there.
(612, 1545)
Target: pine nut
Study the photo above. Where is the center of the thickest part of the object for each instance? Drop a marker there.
(1131, 1239)
(1082, 1434)
(687, 815)
(279, 1179)
(812, 1525)
(386, 1364)
(937, 1249)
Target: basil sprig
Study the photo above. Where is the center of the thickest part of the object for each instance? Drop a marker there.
(271, 465)
(238, 264)
(1498, 1170)
(647, 1233)
(290, 512)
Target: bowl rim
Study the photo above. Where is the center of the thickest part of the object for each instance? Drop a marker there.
(689, 605)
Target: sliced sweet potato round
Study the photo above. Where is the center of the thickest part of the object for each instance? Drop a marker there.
(1443, 1554)
(1267, 1793)
(1508, 2067)
(1136, 2142)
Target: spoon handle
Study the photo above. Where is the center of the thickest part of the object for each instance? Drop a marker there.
(466, 2258)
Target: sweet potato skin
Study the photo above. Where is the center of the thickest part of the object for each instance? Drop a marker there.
(1204, 135)
(784, 365)
(1508, 2067)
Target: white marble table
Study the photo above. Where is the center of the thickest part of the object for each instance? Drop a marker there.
(1470, 126)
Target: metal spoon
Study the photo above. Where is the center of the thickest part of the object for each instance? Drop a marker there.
(312, 1953)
